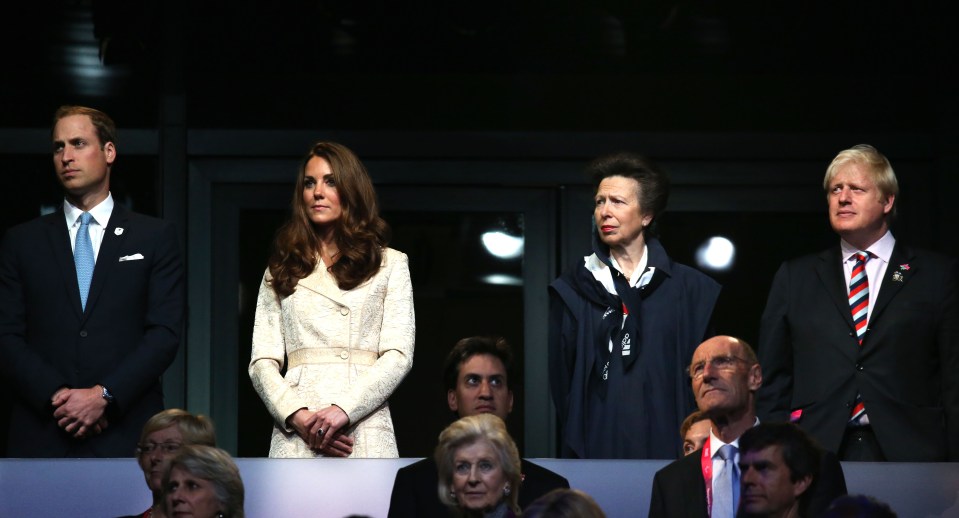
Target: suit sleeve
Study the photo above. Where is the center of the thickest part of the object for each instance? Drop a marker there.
(562, 352)
(268, 356)
(163, 324)
(948, 338)
(33, 378)
(830, 484)
(775, 352)
(395, 348)
(657, 507)
(403, 498)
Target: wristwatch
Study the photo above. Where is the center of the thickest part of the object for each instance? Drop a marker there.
(107, 395)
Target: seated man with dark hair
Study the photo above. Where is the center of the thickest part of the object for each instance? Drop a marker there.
(779, 465)
(477, 382)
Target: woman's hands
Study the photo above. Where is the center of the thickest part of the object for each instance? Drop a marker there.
(323, 431)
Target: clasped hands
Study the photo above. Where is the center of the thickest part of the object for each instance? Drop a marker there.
(80, 412)
(323, 431)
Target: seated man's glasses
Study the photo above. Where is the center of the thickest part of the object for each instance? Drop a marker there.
(165, 447)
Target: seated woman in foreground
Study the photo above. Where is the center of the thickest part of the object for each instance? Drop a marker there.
(479, 468)
(203, 482)
(162, 437)
(564, 503)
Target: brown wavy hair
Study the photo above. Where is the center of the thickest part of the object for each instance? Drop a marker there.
(360, 233)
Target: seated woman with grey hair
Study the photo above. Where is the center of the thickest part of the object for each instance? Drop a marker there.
(479, 468)
(162, 437)
(203, 482)
(564, 503)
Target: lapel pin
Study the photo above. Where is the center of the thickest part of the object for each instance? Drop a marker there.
(904, 267)
(897, 276)
(118, 231)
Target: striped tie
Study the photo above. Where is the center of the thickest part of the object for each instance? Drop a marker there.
(859, 305)
(859, 295)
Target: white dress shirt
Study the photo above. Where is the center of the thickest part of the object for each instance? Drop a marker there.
(101, 216)
(879, 254)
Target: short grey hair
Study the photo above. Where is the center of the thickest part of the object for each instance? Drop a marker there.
(216, 466)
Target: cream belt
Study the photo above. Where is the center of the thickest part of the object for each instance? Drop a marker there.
(329, 355)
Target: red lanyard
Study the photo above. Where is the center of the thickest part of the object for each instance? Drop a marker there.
(706, 461)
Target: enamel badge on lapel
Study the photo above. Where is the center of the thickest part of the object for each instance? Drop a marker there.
(897, 276)
(118, 231)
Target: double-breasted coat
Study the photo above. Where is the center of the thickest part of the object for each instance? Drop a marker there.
(324, 346)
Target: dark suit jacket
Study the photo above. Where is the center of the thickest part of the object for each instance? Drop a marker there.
(414, 490)
(905, 369)
(124, 340)
(679, 490)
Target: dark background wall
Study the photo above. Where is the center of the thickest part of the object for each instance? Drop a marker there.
(470, 115)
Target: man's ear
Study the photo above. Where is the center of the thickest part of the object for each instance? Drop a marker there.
(755, 377)
(800, 486)
(888, 203)
(110, 151)
(452, 401)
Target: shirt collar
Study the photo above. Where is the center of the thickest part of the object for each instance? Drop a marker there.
(101, 213)
(881, 248)
(715, 443)
(640, 277)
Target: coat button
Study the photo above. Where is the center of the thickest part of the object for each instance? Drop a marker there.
(859, 367)
(344, 354)
(83, 334)
(344, 311)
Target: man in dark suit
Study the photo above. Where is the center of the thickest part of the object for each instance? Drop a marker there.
(779, 466)
(725, 377)
(860, 343)
(477, 381)
(91, 307)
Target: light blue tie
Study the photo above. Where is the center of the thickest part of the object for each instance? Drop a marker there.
(726, 485)
(83, 258)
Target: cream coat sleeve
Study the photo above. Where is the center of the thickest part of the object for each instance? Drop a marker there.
(395, 348)
(268, 358)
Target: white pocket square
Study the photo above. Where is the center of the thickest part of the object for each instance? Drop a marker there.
(134, 257)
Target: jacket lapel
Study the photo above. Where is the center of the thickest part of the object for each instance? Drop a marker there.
(108, 255)
(831, 275)
(898, 273)
(322, 283)
(59, 238)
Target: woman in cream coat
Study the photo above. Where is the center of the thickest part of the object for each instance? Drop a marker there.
(334, 318)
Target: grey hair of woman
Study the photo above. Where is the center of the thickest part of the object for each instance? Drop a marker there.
(564, 503)
(468, 431)
(216, 466)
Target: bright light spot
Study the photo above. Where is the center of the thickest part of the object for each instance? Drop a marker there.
(502, 279)
(503, 245)
(717, 253)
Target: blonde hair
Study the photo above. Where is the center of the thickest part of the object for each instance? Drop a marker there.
(876, 165)
(466, 432)
(195, 429)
